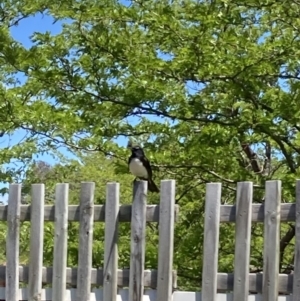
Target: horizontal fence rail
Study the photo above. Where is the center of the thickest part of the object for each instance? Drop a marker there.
(96, 278)
(87, 213)
(287, 213)
(152, 213)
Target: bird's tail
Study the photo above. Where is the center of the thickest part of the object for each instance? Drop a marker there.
(152, 186)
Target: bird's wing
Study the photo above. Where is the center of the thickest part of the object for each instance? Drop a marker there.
(146, 163)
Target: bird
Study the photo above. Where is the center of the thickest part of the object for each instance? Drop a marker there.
(140, 166)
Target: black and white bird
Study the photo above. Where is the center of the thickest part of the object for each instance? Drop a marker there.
(140, 167)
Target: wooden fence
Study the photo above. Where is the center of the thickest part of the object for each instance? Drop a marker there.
(110, 277)
(215, 286)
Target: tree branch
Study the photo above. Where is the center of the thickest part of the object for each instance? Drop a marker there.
(252, 156)
(284, 242)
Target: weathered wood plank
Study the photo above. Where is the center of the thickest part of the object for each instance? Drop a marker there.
(36, 242)
(271, 240)
(285, 283)
(12, 242)
(225, 282)
(227, 213)
(150, 276)
(137, 245)
(211, 241)
(60, 241)
(287, 213)
(111, 242)
(166, 240)
(85, 240)
(152, 213)
(296, 280)
(242, 241)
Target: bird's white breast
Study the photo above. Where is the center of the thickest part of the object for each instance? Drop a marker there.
(137, 168)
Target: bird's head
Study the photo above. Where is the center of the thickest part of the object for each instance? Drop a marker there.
(133, 146)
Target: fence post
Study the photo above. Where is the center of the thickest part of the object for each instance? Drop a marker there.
(137, 249)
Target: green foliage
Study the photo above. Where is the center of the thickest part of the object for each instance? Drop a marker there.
(211, 89)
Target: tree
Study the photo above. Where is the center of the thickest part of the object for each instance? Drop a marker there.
(210, 88)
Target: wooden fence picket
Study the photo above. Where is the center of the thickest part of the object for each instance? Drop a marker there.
(85, 241)
(60, 242)
(12, 242)
(36, 242)
(211, 241)
(271, 240)
(166, 241)
(242, 241)
(110, 275)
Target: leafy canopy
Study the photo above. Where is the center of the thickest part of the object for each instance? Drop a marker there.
(211, 88)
